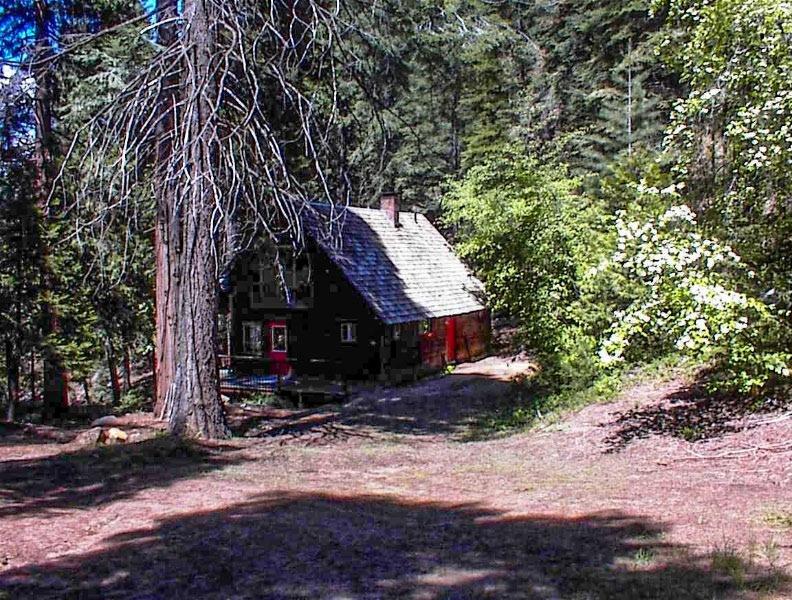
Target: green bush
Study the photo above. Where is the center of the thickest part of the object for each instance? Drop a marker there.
(509, 219)
(133, 400)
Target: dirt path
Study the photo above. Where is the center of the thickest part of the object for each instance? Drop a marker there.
(380, 498)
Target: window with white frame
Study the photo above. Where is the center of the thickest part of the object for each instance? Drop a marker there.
(279, 338)
(348, 332)
(251, 337)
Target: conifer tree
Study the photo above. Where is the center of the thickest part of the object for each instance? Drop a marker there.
(628, 119)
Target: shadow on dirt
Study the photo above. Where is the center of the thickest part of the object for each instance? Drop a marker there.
(284, 545)
(440, 406)
(98, 475)
(692, 414)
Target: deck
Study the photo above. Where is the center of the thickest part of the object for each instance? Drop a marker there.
(299, 387)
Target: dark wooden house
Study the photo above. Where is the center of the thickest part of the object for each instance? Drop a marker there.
(386, 297)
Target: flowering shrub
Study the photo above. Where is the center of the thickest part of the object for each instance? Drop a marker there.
(685, 303)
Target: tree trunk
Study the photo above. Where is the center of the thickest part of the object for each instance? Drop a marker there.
(86, 391)
(55, 385)
(32, 376)
(164, 299)
(12, 378)
(13, 348)
(192, 389)
(164, 305)
(112, 368)
(127, 369)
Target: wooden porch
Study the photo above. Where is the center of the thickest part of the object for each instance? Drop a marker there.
(243, 375)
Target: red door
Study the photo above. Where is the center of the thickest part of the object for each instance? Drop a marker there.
(278, 337)
(450, 340)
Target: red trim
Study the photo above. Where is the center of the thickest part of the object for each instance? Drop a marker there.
(450, 339)
(279, 358)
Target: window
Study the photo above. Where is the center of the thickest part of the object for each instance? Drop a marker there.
(302, 277)
(261, 282)
(279, 338)
(277, 275)
(425, 326)
(349, 333)
(251, 337)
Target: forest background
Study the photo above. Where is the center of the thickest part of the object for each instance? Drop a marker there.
(619, 174)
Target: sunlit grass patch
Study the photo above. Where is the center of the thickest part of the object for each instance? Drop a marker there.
(779, 519)
(728, 561)
(755, 569)
(644, 557)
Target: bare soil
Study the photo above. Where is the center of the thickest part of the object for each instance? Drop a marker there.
(660, 494)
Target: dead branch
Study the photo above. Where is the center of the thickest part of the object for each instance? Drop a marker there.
(781, 448)
(266, 61)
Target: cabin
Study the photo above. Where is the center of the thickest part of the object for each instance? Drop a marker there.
(385, 298)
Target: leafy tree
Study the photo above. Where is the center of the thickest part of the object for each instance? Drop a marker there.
(731, 129)
(628, 120)
(228, 126)
(509, 218)
(19, 274)
(37, 34)
(447, 80)
(582, 47)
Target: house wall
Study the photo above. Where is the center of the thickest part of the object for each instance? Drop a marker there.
(314, 330)
(472, 337)
(314, 327)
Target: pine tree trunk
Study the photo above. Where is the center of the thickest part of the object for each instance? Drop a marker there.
(13, 349)
(192, 402)
(12, 378)
(192, 389)
(112, 369)
(164, 300)
(32, 376)
(127, 369)
(55, 385)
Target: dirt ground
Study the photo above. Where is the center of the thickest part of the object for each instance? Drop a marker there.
(660, 494)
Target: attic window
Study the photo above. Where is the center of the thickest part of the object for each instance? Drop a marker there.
(261, 280)
(348, 332)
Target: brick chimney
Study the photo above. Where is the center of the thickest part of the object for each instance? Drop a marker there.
(389, 202)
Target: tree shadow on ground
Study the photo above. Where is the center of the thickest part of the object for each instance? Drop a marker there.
(98, 475)
(440, 406)
(14, 434)
(692, 414)
(285, 545)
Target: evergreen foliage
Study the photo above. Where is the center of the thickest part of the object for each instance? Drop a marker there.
(576, 150)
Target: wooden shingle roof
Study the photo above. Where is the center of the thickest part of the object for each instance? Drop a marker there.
(405, 273)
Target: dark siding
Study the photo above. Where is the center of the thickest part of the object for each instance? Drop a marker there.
(315, 346)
